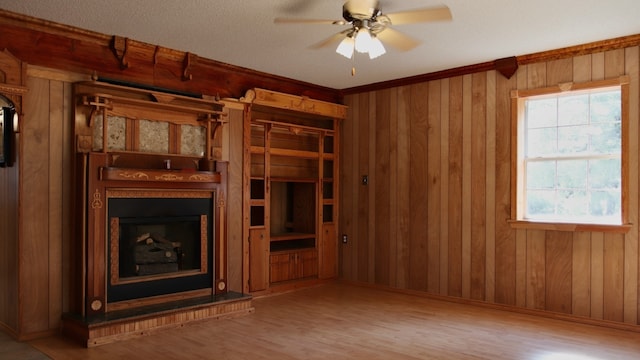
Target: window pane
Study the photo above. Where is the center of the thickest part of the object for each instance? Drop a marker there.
(605, 203)
(572, 174)
(573, 110)
(541, 142)
(541, 174)
(605, 107)
(604, 174)
(572, 204)
(572, 159)
(540, 203)
(573, 139)
(541, 113)
(606, 138)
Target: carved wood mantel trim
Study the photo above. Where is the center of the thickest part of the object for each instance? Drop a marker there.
(108, 173)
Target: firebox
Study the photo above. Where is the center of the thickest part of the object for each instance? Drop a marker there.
(159, 243)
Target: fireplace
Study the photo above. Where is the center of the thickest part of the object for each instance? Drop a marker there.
(150, 247)
(159, 243)
(153, 235)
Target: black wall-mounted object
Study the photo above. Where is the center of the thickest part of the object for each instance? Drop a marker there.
(7, 115)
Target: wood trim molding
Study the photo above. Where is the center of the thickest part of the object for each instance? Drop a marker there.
(588, 48)
(62, 47)
(506, 66)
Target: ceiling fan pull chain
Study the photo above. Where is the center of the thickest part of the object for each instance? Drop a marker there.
(353, 67)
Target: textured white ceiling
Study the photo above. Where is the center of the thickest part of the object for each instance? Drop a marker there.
(242, 33)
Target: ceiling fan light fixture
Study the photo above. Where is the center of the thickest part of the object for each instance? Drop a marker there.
(363, 40)
(376, 48)
(345, 48)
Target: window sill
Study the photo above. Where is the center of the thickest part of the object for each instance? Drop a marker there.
(573, 227)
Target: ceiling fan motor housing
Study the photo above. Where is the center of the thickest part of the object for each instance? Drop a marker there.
(352, 11)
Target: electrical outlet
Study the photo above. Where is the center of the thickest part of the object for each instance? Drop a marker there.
(344, 238)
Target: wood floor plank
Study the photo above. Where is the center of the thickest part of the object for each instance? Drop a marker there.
(342, 321)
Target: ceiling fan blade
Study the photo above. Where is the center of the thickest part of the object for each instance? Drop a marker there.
(397, 39)
(420, 15)
(308, 21)
(331, 40)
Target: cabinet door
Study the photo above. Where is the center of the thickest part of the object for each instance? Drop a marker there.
(328, 248)
(258, 260)
(280, 266)
(309, 260)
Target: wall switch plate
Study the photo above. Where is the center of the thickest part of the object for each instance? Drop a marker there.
(344, 238)
(365, 179)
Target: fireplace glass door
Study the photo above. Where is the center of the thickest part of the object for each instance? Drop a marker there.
(158, 245)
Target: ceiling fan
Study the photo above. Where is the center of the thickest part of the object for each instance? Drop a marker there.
(369, 27)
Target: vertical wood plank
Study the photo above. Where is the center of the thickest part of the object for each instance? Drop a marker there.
(582, 68)
(404, 185)
(419, 172)
(234, 205)
(455, 187)
(597, 275)
(393, 187)
(363, 249)
(56, 200)
(631, 268)
(581, 274)
(536, 269)
(466, 184)
(478, 186)
(34, 246)
(505, 263)
(597, 66)
(380, 208)
(537, 75)
(521, 268)
(490, 180)
(433, 188)
(444, 173)
(613, 63)
(69, 298)
(613, 284)
(559, 71)
(371, 193)
(558, 267)
(349, 189)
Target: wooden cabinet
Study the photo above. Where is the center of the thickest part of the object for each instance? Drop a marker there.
(291, 188)
(293, 265)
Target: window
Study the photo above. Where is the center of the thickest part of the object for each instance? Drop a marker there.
(569, 160)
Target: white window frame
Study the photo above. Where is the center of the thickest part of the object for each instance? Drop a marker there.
(518, 98)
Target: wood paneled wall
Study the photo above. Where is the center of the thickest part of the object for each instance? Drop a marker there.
(433, 216)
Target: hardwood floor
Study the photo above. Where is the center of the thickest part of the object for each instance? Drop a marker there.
(341, 321)
(11, 349)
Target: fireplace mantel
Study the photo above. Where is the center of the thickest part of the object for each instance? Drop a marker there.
(140, 140)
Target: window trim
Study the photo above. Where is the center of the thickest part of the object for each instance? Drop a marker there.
(517, 154)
